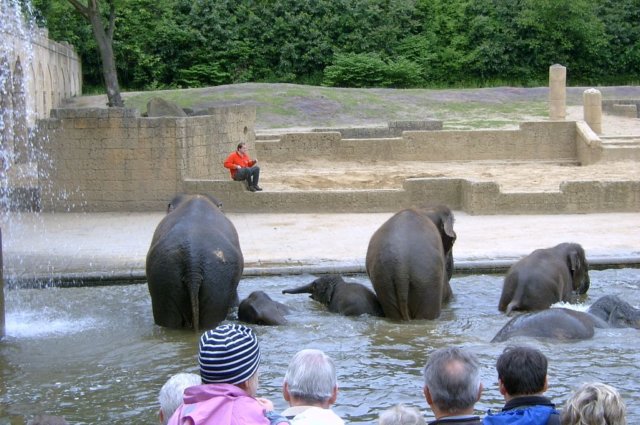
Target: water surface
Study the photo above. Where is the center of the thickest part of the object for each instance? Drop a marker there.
(95, 356)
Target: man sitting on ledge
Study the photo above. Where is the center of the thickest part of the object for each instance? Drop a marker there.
(242, 167)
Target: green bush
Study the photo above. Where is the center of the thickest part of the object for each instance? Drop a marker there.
(370, 70)
(202, 76)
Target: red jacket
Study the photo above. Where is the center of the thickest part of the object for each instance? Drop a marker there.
(236, 158)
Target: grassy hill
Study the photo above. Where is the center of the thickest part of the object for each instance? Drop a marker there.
(291, 105)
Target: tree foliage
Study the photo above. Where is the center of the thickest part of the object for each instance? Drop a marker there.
(359, 43)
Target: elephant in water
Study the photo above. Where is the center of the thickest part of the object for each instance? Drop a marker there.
(194, 264)
(544, 277)
(348, 299)
(410, 262)
(565, 324)
(260, 309)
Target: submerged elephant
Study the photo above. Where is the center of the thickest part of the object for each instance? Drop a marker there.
(566, 324)
(410, 261)
(544, 277)
(258, 308)
(346, 298)
(194, 264)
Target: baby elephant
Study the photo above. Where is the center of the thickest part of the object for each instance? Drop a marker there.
(348, 299)
(260, 309)
(544, 277)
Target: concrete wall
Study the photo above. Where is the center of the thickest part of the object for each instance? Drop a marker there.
(623, 107)
(114, 160)
(52, 71)
(542, 140)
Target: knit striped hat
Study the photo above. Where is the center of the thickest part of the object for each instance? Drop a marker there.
(229, 354)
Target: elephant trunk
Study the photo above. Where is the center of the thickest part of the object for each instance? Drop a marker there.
(305, 289)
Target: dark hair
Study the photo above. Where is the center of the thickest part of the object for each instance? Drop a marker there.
(241, 144)
(522, 370)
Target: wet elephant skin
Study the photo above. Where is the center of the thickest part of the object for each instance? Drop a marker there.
(194, 264)
(346, 298)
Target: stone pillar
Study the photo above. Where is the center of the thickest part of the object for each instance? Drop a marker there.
(592, 105)
(557, 92)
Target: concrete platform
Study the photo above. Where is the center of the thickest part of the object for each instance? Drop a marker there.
(105, 248)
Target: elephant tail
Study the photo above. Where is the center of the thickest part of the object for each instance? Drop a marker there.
(193, 284)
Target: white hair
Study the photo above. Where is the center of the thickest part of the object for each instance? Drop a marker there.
(401, 415)
(172, 392)
(311, 376)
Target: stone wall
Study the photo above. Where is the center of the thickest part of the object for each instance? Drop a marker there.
(542, 140)
(51, 71)
(624, 107)
(114, 160)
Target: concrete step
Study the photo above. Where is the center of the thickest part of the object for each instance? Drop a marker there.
(621, 148)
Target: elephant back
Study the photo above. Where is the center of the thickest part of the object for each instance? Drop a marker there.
(194, 265)
(406, 264)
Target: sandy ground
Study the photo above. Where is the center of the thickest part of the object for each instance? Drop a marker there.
(511, 176)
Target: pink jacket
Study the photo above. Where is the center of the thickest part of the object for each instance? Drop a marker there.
(218, 404)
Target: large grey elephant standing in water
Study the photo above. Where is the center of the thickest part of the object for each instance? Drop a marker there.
(544, 277)
(194, 264)
(410, 261)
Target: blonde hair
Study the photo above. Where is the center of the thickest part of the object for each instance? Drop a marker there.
(594, 404)
(401, 415)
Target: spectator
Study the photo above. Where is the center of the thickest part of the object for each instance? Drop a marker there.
(310, 387)
(172, 391)
(229, 356)
(522, 377)
(242, 167)
(594, 404)
(452, 386)
(401, 415)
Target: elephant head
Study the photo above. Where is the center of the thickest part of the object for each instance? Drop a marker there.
(579, 267)
(616, 312)
(260, 309)
(321, 289)
(346, 298)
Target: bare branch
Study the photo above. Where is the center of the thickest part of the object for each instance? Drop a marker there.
(81, 8)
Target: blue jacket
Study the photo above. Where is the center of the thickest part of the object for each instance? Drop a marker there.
(526, 410)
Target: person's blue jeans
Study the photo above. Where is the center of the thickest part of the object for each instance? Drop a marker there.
(250, 174)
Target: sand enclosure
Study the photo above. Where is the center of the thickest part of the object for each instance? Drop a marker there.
(511, 176)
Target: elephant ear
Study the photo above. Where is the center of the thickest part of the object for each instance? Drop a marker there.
(574, 261)
(323, 292)
(447, 232)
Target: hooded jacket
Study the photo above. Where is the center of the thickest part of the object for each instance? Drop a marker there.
(218, 404)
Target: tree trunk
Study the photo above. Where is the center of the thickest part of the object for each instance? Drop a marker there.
(105, 45)
(104, 38)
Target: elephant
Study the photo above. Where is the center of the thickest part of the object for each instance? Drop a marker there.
(615, 312)
(194, 264)
(566, 324)
(410, 262)
(346, 298)
(258, 308)
(544, 277)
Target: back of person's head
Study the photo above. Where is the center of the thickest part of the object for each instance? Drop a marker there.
(401, 415)
(311, 376)
(522, 370)
(594, 404)
(228, 354)
(172, 392)
(452, 376)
